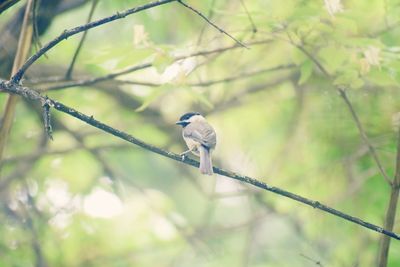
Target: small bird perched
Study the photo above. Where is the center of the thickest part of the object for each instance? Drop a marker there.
(200, 138)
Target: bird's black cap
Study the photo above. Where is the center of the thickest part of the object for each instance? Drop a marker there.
(183, 119)
(188, 115)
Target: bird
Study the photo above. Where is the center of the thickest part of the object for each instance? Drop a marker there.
(200, 138)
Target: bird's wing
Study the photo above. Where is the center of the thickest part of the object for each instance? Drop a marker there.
(202, 133)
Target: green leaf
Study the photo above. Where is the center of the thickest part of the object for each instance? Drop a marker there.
(96, 69)
(346, 78)
(156, 93)
(357, 83)
(298, 57)
(162, 61)
(133, 56)
(381, 77)
(203, 99)
(150, 99)
(306, 70)
(347, 25)
(333, 57)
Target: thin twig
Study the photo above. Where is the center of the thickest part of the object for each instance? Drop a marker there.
(40, 260)
(354, 115)
(32, 156)
(312, 260)
(210, 15)
(67, 33)
(364, 135)
(34, 95)
(253, 25)
(134, 68)
(212, 24)
(240, 76)
(36, 39)
(47, 118)
(68, 74)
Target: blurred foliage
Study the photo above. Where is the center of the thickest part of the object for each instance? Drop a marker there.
(87, 199)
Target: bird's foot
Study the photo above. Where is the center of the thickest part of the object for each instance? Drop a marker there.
(183, 156)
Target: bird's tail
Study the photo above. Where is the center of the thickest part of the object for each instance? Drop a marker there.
(205, 161)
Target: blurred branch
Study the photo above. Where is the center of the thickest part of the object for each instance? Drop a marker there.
(67, 33)
(395, 184)
(6, 4)
(391, 210)
(78, 49)
(318, 263)
(24, 166)
(24, 44)
(210, 15)
(45, 13)
(388, 28)
(253, 25)
(363, 134)
(66, 5)
(36, 246)
(239, 76)
(34, 155)
(31, 94)
(354, 115)
(90, 81)
(281, 156)
(238, 97)
(211, 23)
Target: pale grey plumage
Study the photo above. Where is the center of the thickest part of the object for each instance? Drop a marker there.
(201, 132)
(200, 138)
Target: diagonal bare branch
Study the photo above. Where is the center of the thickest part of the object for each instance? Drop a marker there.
(212, 24)
(67, 33)
(31, 94)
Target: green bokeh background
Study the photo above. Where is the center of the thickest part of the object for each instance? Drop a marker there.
(89, 199)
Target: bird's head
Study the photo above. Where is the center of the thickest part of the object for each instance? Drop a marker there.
(188, 118)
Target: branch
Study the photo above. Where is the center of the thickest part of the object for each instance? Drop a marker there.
(47, 152)
(134, 68)
(343, 94)
(67, 33)
(68, 75)
(210, 15)
(364, 135)
(253, 25)
(211, 23)
(318, 263)
(34, 95)
(4, 5)
(24, 44)
(395, 184)
(391, 210)
(243, 75)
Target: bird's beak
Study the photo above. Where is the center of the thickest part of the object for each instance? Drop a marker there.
(180, 122)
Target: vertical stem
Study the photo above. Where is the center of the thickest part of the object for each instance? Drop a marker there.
(68, 75)
(24, 44)
(391, 211)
